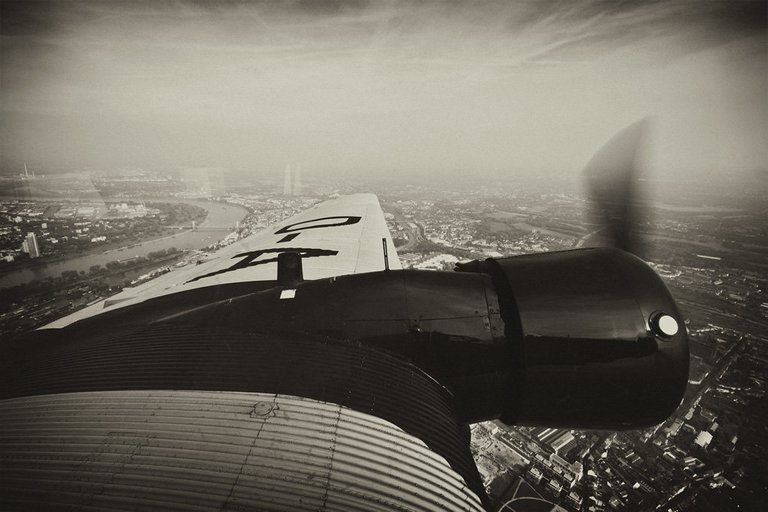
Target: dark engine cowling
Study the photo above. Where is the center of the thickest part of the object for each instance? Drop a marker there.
(587, 338)
(596, 339)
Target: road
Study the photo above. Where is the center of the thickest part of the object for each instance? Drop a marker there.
(581, 241)
(415, 232)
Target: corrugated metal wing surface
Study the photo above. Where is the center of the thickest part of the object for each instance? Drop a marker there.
(214, 450)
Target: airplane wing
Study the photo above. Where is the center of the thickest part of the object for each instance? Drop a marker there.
(154, 407)
(337, 237)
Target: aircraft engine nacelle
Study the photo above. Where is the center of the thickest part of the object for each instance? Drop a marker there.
(595, 337)
(587, 338)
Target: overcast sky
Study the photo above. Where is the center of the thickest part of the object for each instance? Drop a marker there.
(387, 87)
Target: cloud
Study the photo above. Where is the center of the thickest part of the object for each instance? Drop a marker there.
(361, 86)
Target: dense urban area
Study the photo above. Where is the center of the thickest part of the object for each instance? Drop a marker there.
(709, 249)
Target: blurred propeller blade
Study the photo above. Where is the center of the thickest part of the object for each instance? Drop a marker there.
(611, 182)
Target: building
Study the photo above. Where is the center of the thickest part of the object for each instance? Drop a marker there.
(297, 180)
(292, 184)
(287, 189)
(30, 246)
(703, 439)
(563, 443)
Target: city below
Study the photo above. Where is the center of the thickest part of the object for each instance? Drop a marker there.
(70, 240)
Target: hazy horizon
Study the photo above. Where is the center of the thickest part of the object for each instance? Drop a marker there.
(429, 89)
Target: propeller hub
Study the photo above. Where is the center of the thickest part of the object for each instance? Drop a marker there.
(664, 325)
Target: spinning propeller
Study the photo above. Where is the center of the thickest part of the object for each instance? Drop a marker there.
(611, 178)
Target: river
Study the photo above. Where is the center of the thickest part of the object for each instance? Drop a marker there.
(220, 215)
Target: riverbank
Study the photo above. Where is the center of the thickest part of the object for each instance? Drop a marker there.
(32, 305)
(219, 216)
(112, 248)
